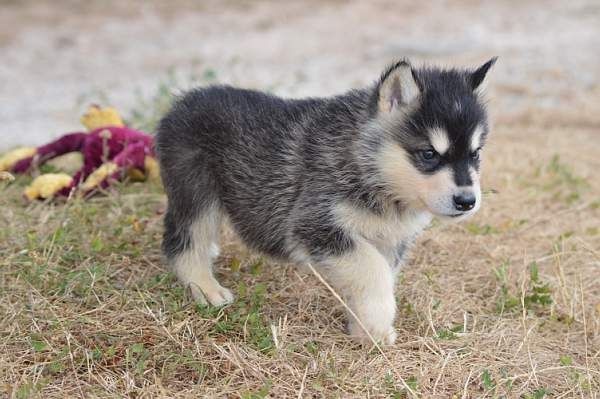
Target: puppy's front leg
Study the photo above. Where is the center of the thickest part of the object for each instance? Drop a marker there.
(366, 281)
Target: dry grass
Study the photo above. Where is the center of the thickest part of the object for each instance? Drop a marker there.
(507, 304)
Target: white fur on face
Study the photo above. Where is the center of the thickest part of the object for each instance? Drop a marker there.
(413, 187)
(439, 140)
(476, 138)
(438, 191)
(433, 192)
(476, 189)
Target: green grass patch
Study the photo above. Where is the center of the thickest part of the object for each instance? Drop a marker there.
(537, 296)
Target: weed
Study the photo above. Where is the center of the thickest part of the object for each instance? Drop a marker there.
(537, 297)
(312, 347)
(539, 293)
(30, 389)
(262, 393)
(445, 333)
(487, 382)
(412, 383)
(566, 360)
(235, 265)
(186, 362)
(592, 231)
(561, 181)
(39, 345)
(244, 315)
(256, 267)
(396, 392)
(137, 357)
(479, 229)
(209, 75)
(507, 301)
(539, 393)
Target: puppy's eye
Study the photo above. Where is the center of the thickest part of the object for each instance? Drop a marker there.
(475, 154)
(428, 155)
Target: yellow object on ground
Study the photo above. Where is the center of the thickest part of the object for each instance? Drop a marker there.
(8, 160)
(135, 174)
(68, 163)
(151, 173)
(152, 169)
(97, 117)
(99, 175)
(5, 176)
(47, 185)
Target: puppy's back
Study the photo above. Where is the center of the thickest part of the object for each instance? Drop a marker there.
(241, 147)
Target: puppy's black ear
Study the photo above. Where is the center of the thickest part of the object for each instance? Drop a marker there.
(398, 86)
(477, 77)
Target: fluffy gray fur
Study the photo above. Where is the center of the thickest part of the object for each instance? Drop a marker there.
(278, 170)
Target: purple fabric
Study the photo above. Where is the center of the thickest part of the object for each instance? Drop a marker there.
(133, 156)
(67, 143)
(124, 146)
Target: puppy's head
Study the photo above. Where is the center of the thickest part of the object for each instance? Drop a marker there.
(434, 125)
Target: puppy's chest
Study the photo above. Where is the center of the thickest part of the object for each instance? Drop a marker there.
(392, 232)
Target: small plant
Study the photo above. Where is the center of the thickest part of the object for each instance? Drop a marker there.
(262, 393)
(481, 229)
(412, 383)
(539, 293)
(450, 333)
(566, 360)
(539, 393)
(312, 347)
(563, 182)
(39, 345)
(256, 267)
(30, 389)
(507, 301)
(137, 357)
(487, 382)
(577, 378)
(243, 315)
(537, 297)
(397, 392)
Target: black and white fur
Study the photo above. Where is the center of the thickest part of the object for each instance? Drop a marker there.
(345, 183)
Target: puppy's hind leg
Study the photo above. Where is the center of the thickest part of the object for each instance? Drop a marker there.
(191, 247)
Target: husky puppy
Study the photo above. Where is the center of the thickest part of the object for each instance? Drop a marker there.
(345, 183)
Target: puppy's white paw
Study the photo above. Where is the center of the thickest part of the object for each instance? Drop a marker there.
(390, 337)
(377, 315)
(381, 336)
(214, 293)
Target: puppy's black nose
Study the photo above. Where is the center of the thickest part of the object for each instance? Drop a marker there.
(464, 202)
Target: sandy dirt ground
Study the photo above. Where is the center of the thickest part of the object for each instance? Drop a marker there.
(57, 57)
